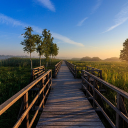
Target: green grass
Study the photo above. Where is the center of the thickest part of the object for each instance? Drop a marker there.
(115, 73)
(15, 74)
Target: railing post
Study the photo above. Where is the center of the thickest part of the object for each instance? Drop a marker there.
(100, 74)
(38, 72)
(47, 78)
(75, 72)
(55, 72)
(43, 92)
(120, 123)
(87, 86)
(87, 69)
(32, 74)
(26, 120)
(82, 76)
(51, 78)
(82, 79)
(94, 94)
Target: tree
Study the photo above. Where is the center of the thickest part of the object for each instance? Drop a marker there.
(47, 43)
(40, 46)
(124, 52)
(29, 42)
(55, 50)
(51, 48)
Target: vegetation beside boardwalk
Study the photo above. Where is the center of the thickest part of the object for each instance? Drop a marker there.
(14, 75)
(115, 73)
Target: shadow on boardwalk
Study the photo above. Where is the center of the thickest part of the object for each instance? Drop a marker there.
(67, 106)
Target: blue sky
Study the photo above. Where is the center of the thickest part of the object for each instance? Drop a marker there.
(79, 27)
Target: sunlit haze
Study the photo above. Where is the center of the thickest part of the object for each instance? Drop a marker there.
(94, 28)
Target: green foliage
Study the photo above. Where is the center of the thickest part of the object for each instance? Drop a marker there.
(14, 75)
(12, 79)
(42, 44)
(29, 41)
(55, 50)
(115, 73)
(124, 52)
(50, 49)
(39, 44)
(47, 43)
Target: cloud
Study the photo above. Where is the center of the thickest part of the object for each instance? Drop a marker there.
(7, 20)
(65, 39)
(120, 18)
(96, 6)
(58, 36)
(48, 4)
(82, 21)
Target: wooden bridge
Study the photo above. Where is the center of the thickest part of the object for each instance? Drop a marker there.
(67, 106)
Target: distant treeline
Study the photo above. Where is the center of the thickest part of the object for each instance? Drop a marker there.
(2, 57)
(96, 59)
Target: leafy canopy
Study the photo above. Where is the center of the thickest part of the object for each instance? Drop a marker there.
(124, 52)
(29, 41)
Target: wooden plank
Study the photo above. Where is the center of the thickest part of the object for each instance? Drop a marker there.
(71, 119)
(67, 106)
(89, 111)
(89, 123)
(69, 127)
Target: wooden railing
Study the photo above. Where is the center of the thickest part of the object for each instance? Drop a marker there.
(45, 82)
(72, 68)
(36, 72)
(74, 71)
(57, 67)
(91, 84)
(94, 71)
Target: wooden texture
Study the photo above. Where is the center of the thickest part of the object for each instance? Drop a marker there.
(73, 69)
(26, 107)
(36, 72)
(57, 67)
(120, 109)
(7, 104)
(67, 106)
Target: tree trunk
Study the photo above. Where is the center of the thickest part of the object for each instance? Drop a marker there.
(46, 65)
(31, 60)
(40, 60)
(50, 60)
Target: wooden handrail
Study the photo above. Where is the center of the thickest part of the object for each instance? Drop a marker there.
(114, 88)
(92, 71)
(36, 72)
(121, 113)
(73, 69)
(24, 92)
(57, 67)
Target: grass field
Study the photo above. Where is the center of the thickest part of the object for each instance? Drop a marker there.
(115, 73)
(15, 74)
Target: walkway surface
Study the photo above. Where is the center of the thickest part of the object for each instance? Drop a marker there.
(67, 106)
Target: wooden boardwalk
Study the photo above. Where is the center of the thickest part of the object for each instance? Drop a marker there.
(67, 106)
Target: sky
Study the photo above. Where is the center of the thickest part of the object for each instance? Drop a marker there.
(94, 28)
